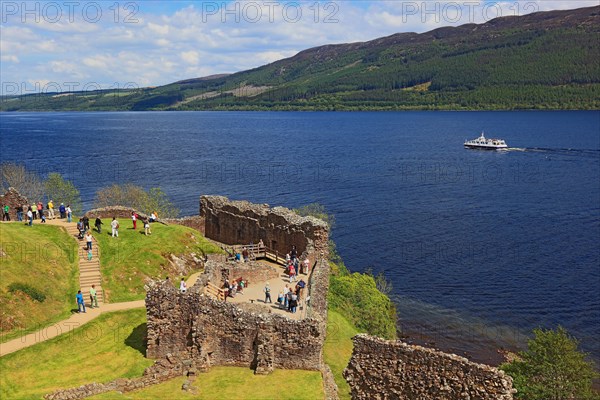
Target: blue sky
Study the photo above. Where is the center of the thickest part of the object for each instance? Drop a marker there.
(48, 46)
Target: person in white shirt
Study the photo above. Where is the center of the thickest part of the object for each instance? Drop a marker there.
(115, 227)
(88, 239)
(182, 286)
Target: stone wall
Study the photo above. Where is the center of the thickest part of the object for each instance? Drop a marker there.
(241, 222)
(13, 199)
(381, 369)
(113, 211)
(195, 222)
(212, 332)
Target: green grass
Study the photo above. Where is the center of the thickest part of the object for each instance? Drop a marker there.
(127, 261)
(107, 348)
(235, 383)
(44, 258)
(338, 349)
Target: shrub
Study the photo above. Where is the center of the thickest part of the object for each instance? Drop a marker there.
(29, 290)
(356, 297)
(552, 368)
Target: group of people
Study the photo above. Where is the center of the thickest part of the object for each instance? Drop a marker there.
(36, 211)
(287, 298)
(237, 286)
(293, 265)
(81, 302)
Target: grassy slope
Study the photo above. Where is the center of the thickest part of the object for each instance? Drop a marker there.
(338, 349)
(235, 383)
(105, 349)
(128, 260)
(44, 257)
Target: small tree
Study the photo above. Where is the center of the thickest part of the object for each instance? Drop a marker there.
(62, 191)
(27, 183)
(552, 368)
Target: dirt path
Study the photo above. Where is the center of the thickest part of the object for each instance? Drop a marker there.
(75, 321)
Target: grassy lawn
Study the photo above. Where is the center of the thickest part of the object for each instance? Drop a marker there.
(45, 258)
(100, 351)
(338, 349)
(235, 383)
(128, 260)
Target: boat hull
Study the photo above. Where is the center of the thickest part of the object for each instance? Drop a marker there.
(484, 147)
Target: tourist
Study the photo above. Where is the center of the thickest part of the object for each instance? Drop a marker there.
(30, 216)
(62, 210)
(80, 228)
(293, 302)
(88, 240)
(294, 253)
(89, 254)
(40, 209)
(34, 210)
(182, 286)
(93, 297)
(292, 273)
(43, 218)
(289, 300)
(98, 224)
(50, 207)
(86, 223)
(153, 217)
(305, 266)
(280, 298)
(261, 245)
(287, 259)
(245, 254)
(69, 213)
(19, 213)
(267, 291)
(238, 256)
(115, 227)
(80, 303)
(134, 218)
(6, 215)
(147, 230)
(286, 290)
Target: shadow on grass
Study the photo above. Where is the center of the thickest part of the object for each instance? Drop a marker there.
(137, 339)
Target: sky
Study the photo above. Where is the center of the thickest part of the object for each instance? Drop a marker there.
(62, 46)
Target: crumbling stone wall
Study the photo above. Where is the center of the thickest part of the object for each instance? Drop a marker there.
(212, 332)
(113, 211)
(195, 222)
(13, 199)
(381, 369)
(240, 222)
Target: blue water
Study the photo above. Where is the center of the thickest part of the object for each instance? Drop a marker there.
(476, 243)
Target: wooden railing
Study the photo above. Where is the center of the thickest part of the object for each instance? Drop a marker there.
(215, 291)
(255, 251)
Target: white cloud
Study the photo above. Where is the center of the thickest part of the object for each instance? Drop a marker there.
(190, 57)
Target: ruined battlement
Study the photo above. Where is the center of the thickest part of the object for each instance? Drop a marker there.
(397, 370)
(240, 222)
(211, 332)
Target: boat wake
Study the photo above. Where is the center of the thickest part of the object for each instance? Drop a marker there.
(557, 151)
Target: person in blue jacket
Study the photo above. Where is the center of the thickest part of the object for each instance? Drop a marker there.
(80, 303)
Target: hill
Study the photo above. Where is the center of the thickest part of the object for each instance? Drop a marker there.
(545, 60)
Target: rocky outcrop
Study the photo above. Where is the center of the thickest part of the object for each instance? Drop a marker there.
(381, 369)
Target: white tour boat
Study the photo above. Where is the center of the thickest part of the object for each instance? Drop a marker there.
(484, 143)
